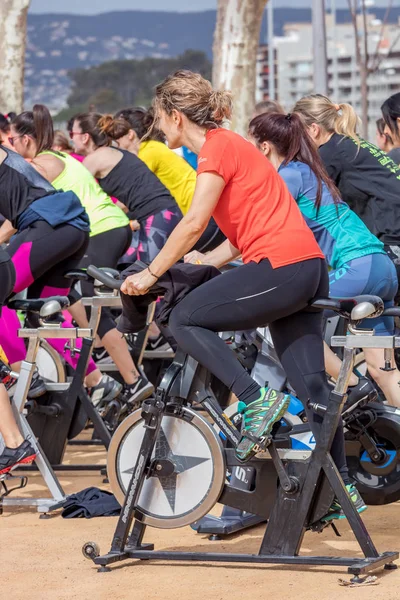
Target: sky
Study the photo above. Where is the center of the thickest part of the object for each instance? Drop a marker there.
(88, 7)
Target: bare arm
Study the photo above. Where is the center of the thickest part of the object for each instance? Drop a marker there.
(220, 256)
(6, 231)
(208, 190)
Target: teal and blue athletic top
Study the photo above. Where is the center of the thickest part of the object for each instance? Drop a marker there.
(340, 233)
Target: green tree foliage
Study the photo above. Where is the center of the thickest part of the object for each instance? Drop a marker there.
(120, 83)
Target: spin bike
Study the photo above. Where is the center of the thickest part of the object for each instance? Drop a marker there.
(47, 310)
(172, 466)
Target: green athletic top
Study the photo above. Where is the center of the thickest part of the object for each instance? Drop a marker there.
(340, 233)
(103, 214)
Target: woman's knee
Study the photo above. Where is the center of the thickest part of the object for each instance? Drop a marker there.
(179, 319)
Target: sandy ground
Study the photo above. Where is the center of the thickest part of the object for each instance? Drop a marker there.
(42, 559)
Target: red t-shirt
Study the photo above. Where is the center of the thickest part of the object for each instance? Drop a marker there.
(255, 211)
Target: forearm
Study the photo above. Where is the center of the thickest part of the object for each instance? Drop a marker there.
(6, 231)
(181, 240)
(222, 254)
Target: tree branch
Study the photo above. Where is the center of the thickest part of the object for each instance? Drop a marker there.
(376, 60)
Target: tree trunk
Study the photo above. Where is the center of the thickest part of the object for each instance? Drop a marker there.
(236, 41)
(13, 16)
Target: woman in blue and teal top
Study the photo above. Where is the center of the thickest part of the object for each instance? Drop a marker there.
(357, 259)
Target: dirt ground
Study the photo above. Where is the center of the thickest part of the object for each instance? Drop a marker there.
(42, 559)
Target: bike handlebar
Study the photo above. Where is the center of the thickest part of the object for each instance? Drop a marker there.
(104, 278)
(394, 311)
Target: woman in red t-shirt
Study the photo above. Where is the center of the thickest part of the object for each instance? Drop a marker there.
(284, 268)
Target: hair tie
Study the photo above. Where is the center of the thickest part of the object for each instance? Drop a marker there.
(288, 117)
(337, 107)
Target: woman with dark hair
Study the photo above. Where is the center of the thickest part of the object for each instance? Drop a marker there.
(51, 236)
(391, 115)
(122, 174)
(110, 233)
(148, 143)
(358, 261)
(383, 139)
(5, 121)
(368, 180)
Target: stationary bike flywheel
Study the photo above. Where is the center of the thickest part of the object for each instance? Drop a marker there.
(187, 473)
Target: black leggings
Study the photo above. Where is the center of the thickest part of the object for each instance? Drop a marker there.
(256, 295)
(105, 250)
(7, 280)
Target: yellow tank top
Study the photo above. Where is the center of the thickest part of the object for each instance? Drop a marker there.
(103, 214)
(172, 170)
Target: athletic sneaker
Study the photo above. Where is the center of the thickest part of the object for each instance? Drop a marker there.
(101, 356)
(12, 457)
(158, 344)
(136, 392)
(37, 387)
(336, 511)
(107, 389)
(258, 419)
(364, 391)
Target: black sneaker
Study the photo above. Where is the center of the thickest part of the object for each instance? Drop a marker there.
(363, 392)
(107, 389)
(12, 457)
(101, 356)
(37, 387)
(158, 344)
(138, 391)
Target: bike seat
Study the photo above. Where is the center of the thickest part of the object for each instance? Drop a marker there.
(357, 308)
(83, 275)
(45, 307)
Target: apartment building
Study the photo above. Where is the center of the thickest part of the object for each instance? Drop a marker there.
(294, 65)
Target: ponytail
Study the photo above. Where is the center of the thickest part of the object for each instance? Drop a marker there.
(103, 129)
(38, 125)
(334, 118)
(347, 122)
(287, 133)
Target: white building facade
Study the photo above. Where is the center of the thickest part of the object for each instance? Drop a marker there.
(294, 65)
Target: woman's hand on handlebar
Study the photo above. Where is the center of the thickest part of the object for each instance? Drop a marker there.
(196, 258)
(138, 284)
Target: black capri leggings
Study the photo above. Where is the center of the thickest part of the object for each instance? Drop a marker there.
(105, 250)
(255, 295)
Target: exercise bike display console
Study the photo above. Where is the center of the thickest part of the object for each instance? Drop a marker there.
(170, 465)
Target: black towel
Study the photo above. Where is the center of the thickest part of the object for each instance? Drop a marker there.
(90, 503)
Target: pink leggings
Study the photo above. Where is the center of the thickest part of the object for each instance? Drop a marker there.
(41, 255)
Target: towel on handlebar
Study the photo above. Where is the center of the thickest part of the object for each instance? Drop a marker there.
(174, 285)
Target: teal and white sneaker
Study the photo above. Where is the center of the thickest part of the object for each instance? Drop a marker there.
(336, 511)
(258, 419)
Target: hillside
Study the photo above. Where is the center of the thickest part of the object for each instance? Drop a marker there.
(58, 43)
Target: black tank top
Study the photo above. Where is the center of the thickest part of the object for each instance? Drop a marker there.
(132, 182)
(20, 185)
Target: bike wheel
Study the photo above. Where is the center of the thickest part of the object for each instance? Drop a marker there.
(378, 481)
(191, 451)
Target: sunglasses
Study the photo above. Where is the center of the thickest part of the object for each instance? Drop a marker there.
(72, 133)
(11, 139)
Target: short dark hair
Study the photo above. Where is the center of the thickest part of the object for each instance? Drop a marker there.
(391, 112)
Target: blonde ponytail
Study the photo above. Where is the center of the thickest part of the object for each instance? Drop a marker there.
(334, 118)
(347, 122)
